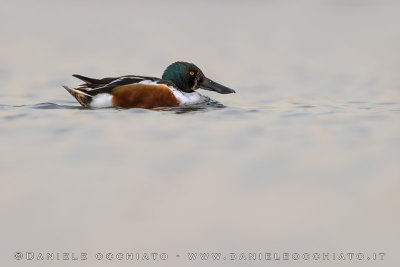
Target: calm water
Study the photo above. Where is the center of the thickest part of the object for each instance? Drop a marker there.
(303, 158)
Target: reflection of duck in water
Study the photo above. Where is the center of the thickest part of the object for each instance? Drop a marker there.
(176, 88)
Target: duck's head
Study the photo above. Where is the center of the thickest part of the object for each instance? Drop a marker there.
(188, 77)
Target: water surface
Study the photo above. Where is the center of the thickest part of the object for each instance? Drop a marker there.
(303, 158)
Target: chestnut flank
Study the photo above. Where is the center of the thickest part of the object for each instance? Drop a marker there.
(143, 96)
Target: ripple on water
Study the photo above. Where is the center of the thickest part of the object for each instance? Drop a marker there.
(386, 103)
(306, 106)
(53, 106)
(210, 104)
(296, 110)
(15, 116)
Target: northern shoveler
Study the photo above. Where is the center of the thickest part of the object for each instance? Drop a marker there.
(176, 88)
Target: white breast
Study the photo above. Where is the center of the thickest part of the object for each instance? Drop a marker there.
(188, 98)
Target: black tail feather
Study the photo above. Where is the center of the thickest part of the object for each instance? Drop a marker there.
(87, 79)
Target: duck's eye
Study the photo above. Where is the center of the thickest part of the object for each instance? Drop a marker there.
(191, 73)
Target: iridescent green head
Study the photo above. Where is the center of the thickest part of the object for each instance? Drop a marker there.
(188, 77)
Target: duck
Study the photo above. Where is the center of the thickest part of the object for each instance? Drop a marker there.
(177, 87)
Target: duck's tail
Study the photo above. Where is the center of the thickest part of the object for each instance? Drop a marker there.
(83, 98)
(87, 79)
